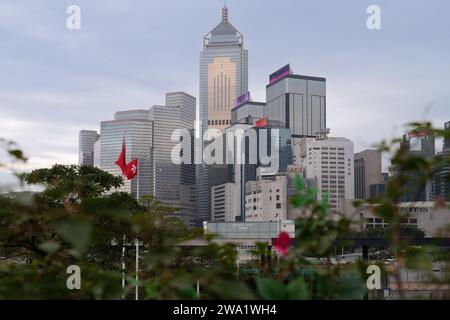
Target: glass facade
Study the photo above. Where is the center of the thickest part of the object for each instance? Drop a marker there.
(417, 187)
(298, 103)
(174, 184)
(86, 142)
(248, 113)
(223, 78)
(250, 230)
(148, 135)
(138, 133)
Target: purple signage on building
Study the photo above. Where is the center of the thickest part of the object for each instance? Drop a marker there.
(281, 73)
(246, 97)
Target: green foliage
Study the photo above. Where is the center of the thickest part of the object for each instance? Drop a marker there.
(79, 219)
(73, 222)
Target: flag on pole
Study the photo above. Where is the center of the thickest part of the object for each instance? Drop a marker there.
(132, 169)
(262, 123)
(121, 161)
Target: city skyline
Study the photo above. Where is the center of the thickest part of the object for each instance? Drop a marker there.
(74, 83)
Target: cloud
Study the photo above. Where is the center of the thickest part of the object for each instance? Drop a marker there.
(56, 82)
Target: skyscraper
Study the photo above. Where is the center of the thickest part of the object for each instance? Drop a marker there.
(440, 181)
(248, 112)
(447, 139)
(173, 184)
(148, 135)
(296, 102)
(137, 128)
(223, 78)
(367, 172)
(330, 162)
(223, 73)
(418, 187)
(86, 142)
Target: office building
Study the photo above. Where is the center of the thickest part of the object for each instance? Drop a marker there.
(417, 187)
(137, 129)
(296, 102)
(86, 150)
(174, 184)
(148, 136)
(224, 204)
(447, 139)
(223, 73)
(262, 147)
(428, 217)
(440, 180)
(376, 191)
(97, 153)
(367, 173)
(246, 235)
(266, 199)
(223, 78)
(247, 111)
(328, 162)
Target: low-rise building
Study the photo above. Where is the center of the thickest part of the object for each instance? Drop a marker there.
(433, 220)
(245, 235)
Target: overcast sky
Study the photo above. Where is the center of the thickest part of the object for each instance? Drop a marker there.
(54, 82)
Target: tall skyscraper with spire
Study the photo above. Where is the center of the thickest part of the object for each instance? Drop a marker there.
(223, 73)
(223, 78)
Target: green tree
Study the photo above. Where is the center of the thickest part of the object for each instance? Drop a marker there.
(73, 221)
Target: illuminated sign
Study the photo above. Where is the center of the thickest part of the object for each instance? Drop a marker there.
(246, 97)
(281, 73)
(262, 123)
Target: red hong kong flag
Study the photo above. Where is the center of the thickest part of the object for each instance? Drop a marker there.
(132, 169)
(262, 123)
(121, 161)
(282, 243)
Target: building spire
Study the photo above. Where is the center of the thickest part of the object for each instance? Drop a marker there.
(225, 12)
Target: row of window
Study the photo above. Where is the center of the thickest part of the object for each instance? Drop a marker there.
(259, 191)
(416, 209)
(277, 206)
(380, 220)
(219, 122)
(257, 199)
(333, 176)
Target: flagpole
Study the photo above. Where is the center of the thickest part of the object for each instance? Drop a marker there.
(137, 269)
(123, 267)
(137, 239)
(124, 237)
(138, 178)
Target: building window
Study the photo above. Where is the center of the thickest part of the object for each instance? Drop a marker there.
(278, 206)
